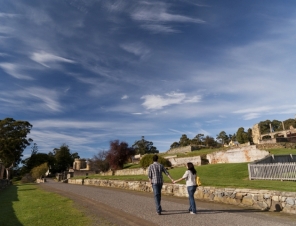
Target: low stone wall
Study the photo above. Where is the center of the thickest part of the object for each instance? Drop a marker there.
(185, 149)
(275, 145)
(236, 155)
(258, 199)
(138, 171)
(196, 160)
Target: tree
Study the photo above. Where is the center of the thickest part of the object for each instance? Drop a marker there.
(35, 159)
(210, 141)
(119, 154)
(184, 140)
(99, 162)
(223, 137)
(264, 126)
(63, 158)
(250, 137)
(197, 140)
(290, 122)
(241, 136)
(39, 171)
(144, 147)
(13, 141)
(175, 145)
(148, 159)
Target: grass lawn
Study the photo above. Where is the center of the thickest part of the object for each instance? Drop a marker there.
(26, 204)
(221, 175)
(233, 175)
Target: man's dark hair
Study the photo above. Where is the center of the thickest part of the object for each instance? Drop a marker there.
(155, 158)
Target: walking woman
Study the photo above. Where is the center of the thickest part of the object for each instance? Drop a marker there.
(190, 177)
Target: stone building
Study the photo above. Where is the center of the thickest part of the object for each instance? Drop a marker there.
(81, 164)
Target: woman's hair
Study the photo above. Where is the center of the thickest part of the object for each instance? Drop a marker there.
(191, 168)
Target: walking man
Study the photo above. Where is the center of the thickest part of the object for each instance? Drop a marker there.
(155, 171)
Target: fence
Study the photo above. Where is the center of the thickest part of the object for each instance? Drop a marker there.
(280, 167)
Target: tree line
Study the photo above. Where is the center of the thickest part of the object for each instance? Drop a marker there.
(14, 140)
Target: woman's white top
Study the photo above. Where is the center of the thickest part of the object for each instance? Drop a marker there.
(190, 178)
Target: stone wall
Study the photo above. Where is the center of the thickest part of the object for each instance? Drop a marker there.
(275, 145)
(196, 160)
(236, 155)
(185, 149)
(138, 171)
(258, 199)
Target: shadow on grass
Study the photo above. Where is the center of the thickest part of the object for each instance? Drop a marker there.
(7, 197)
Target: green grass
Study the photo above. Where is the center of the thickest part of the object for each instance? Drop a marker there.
(233, 175)
(26, 204)
(219, 175)
(282, 151)
(196, 152)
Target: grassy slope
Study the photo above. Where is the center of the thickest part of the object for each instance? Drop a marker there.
(222, 175)
(25, 204)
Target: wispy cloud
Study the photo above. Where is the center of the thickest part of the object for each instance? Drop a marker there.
(8, 15)
(155, 17)
(137, 49)
(124, 97)
(155, 102)
(48, 99)
(44, 58)
(15, 71)
(156, 14)
(159, 28)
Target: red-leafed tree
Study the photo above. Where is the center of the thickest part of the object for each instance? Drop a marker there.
(119, 154)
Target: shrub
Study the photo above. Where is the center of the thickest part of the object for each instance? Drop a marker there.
(39, 171)
(148, 159)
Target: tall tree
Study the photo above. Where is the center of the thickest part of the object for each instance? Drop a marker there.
(210, 141)
(223, 137)
(99, 162)
(290, 122)
(175, 145)
(199, 138)
(13, 141)
(144, 147)
(242, 136)
(184, 140)
(119, 154)
(63, 158)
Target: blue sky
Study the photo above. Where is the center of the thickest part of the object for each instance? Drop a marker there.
(85, 72)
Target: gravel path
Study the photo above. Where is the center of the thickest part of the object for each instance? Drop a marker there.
(109, 206)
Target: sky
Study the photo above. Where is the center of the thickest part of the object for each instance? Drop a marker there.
(87, 72)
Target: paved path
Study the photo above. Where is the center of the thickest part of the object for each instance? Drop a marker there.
(110, 206)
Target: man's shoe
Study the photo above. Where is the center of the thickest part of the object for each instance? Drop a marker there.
(192, 213)
(158, 213)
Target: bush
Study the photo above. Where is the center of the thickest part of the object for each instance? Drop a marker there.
(148, 159)
(39, 171)
(27, 178)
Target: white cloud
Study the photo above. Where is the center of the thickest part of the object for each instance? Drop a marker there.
(137, 49)
(155, 102)
(159, 28)
(44, 58)
(155, 17)
(252, 110)
(47, 97)
(14, 70)
(124, 97)
(155, 14)
(8, 15)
